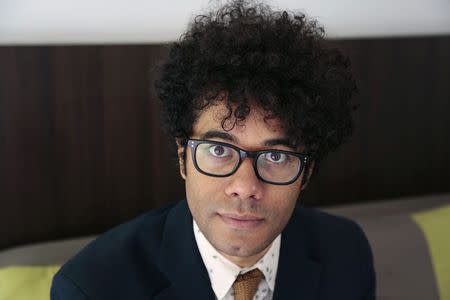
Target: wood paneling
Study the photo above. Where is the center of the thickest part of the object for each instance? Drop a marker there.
(81, 149)
(402, 138)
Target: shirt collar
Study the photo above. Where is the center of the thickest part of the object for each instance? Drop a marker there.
(223, 272)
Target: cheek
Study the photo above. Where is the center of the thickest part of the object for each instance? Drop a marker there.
(282, 203)
(281, 212)
(194, 194)
(201, 193)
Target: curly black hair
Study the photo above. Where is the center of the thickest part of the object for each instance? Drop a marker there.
(276, 60)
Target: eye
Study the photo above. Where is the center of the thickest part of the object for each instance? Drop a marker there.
(275, 157)
(219, 150)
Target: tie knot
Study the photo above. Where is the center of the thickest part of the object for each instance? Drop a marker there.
(245, 285)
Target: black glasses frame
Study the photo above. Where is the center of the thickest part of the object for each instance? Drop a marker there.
(193, 144)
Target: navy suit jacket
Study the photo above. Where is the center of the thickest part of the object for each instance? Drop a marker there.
(155, 256)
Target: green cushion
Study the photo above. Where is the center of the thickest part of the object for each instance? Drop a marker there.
(26, 282)
(435, 225)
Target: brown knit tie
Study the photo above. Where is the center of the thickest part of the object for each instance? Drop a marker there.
(246, 284)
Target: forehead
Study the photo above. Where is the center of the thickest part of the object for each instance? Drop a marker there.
(255, 127)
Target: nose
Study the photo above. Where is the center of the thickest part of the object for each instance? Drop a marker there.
(244, 183)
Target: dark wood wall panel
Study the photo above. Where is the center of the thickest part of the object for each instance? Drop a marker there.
(81, 149)
(81, 146)
(402, 138)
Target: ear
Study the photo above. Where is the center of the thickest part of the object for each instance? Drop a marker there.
(181, 155)
(309, 172)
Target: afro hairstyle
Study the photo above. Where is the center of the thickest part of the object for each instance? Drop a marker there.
(276, 60)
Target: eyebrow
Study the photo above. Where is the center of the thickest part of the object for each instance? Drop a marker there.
(229, 137)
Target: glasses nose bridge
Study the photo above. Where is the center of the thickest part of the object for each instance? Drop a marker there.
(251, 154)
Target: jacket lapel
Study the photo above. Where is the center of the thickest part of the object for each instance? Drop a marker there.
(180, 259)
(298, 273)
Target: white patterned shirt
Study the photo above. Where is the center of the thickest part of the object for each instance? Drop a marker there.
(222, 272)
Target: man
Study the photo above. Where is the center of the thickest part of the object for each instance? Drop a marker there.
(254, 101)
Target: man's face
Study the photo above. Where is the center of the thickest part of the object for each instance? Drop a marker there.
(239, 215)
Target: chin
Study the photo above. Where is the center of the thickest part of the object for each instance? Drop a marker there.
(242, 247)
(238, 251)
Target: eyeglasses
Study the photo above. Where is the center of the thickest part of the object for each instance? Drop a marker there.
(220, 159)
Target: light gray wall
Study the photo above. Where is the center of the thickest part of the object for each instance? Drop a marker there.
(156, 21)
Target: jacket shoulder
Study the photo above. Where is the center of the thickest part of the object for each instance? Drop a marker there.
(328, 227)
(342, 247)
(124, 256)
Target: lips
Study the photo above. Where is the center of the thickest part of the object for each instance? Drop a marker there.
(241, 221)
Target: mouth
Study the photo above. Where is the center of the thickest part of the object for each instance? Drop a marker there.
(241, 221)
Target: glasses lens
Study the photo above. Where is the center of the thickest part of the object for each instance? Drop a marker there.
(216, 159)
(278, 167)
